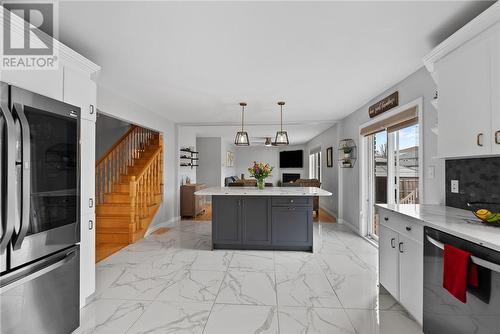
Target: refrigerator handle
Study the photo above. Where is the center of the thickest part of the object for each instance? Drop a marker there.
(10, 174)
(40, 272)
(25, 176)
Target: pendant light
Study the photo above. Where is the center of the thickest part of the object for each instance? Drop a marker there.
(281, 136)
(241, 138)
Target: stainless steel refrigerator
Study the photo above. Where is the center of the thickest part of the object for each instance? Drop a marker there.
(39, 213)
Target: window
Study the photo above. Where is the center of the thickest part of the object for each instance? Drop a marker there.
(315, 165)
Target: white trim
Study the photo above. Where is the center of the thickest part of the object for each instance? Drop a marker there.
(363, 210)
(169, 223)
(480, 23)
(66, 54)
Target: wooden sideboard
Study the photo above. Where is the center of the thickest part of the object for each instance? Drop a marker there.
(192, 205)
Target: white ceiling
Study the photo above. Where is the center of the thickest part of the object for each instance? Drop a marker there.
(194, 61)
(297, 133)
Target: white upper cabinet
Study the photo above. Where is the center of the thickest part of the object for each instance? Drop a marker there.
(466, 68)
(465, 100)
(79, 90)
(495, 102)
(44, 82)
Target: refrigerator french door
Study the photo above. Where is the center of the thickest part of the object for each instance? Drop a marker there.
(39, 182)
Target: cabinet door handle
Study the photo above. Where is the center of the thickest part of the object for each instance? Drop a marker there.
(479, 139)
(386, 218)
(393, 242)
(497, 137)
(91, 224)
(91, 109)
(91, 202)
(400, 246)
(408, 228)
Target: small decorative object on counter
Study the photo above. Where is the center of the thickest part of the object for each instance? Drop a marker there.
(347, 153)
(488, 213)
(260, 171)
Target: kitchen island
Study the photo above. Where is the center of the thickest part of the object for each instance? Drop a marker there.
(275, 218)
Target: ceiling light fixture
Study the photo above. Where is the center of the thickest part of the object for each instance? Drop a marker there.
(241, 138)
(281, 136)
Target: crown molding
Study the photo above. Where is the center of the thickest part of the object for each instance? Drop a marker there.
(477, 25)
(65, 53)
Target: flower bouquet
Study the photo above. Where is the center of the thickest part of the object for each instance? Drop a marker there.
(260, 171)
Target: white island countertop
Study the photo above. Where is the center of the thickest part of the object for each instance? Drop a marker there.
(267, 191)
(457, 222)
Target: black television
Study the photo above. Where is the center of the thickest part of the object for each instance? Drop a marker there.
(291, 159)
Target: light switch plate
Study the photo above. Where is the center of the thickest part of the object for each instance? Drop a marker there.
(431, 172)
(454, 186)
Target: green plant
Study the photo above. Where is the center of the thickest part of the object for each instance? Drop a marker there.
(347, 149)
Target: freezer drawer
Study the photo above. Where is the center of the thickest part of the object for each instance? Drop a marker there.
(42, 297)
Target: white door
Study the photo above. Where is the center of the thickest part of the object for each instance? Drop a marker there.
(411, 276)
(464, 100)
(495, 94)
(87, 166)
(388, 260)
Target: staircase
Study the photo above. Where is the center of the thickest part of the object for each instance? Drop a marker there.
(129, 189)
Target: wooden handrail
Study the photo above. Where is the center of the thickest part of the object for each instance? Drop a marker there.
(145, 168)
(121, 158)
(112, 148)
(146, 187)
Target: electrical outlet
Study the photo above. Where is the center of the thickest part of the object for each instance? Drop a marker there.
(454, 186)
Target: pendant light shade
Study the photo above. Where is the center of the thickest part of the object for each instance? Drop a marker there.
(281, 136)
(241, 138)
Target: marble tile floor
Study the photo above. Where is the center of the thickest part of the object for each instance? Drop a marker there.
(174, 283)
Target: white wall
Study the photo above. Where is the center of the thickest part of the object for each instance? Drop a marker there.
(124, 109)
(108, 131)
(418, 84)
(245, 156)
(209, 170)
(329, 177)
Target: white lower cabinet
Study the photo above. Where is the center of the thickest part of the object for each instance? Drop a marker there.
(388, 259)
(401, 263)
(87, 257)
(411, 281)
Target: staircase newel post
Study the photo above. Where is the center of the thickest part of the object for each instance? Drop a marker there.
(133, 200)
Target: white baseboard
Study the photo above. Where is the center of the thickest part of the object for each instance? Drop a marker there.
(331, 213)
(349, 225)
(169, 223)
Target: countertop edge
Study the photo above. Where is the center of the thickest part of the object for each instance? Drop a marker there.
(449, 229)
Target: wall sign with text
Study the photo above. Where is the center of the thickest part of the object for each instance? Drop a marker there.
(383, 105)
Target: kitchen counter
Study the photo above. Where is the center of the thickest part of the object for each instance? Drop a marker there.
(458, 222)
(268, 191)
(275, 218)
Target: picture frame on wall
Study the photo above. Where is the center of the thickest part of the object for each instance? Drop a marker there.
(329, 157)
(229, 159)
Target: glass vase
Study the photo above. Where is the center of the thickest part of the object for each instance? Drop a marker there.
(261, 184)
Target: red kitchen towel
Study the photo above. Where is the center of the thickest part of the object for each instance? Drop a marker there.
(458, 272)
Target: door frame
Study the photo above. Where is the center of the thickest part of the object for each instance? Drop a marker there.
(364, 188)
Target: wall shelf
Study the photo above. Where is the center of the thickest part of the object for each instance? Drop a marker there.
(189, 158)
(347, 153)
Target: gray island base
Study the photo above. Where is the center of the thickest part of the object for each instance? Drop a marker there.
(277, 219)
